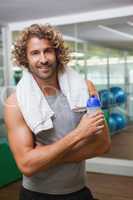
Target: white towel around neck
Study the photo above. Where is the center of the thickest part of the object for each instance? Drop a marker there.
(34, 106)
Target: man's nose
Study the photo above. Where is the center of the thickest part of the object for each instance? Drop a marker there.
(43, 59)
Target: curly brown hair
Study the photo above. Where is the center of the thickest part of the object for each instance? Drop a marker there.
(19, 52)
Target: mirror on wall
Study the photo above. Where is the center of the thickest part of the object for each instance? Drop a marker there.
(106, 58)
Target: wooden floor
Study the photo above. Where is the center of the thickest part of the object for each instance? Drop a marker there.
(104, 187)
(122, 144)
(110, 187)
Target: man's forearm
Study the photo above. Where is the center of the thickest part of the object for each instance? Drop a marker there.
(41, 157)
(95, 146)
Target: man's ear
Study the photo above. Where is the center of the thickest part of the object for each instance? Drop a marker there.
(91, 88)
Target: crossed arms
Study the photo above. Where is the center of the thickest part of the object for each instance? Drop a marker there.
(79, 144)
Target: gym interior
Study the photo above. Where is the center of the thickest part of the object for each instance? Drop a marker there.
(100, 37)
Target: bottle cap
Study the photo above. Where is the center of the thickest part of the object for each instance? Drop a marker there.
(93, 101)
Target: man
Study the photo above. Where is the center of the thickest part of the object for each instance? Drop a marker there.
(52, 161)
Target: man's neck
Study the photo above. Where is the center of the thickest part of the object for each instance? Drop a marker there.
(50, 86)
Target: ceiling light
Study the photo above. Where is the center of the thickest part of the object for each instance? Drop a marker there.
(126, 35)
(130, 23)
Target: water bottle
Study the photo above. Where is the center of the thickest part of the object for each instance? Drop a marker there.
(93, 104)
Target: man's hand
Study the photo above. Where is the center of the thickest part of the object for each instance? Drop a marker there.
(90, 124)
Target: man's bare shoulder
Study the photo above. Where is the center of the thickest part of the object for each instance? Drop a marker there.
(11, 101)
(11, 108)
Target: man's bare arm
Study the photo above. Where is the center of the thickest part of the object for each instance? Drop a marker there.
(31, 159)
(93, 146)
(96, 145)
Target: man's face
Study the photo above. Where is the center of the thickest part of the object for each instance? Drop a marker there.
(42, 58)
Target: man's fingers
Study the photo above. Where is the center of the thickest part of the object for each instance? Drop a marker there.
(99, 122)
(99, 112)
(99, 129)
(95, 115)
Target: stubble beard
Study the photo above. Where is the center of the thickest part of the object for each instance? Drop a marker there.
(53, 70)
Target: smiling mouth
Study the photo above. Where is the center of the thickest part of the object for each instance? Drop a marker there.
(43, 66)
(44, 69)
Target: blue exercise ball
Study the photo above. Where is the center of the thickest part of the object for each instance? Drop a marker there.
(106, 98)
(120, 119)
(112, 125)
(119, 95)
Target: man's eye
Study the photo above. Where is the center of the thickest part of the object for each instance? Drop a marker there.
(34, 53)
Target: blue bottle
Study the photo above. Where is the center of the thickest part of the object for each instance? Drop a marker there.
(93, 104)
